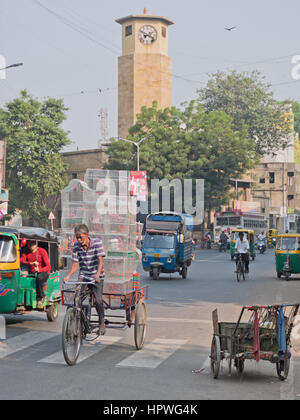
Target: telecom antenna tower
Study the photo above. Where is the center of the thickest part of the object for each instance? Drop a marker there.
(104, 139)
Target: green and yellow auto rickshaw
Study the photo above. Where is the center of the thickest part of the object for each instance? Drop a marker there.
(17, 285)
(287, 255)
(249, 234)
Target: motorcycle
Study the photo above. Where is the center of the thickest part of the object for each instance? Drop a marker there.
(222, 246)
(261, 246)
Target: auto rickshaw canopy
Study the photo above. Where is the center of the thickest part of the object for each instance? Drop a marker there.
(30, 233)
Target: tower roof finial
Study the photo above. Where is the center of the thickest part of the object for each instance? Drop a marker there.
(145, 11)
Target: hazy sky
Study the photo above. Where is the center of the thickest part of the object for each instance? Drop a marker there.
(70, 50)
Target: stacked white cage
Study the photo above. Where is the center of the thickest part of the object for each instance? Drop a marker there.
(103, 202)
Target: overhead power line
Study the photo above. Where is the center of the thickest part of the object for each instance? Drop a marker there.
(75, 27)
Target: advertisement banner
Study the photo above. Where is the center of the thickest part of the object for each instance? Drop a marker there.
(138, 185)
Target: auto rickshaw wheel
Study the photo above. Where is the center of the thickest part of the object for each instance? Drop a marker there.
(184, 272)
(52, 312)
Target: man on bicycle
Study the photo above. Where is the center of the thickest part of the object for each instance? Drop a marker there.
(242, 248)
(88, 254)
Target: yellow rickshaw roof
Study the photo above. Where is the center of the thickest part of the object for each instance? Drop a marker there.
(288, 235)
(242, 230)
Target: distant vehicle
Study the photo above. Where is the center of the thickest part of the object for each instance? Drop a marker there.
(167, 246)
(236, 219)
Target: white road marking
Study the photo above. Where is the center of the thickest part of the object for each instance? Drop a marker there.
(2, 328)
(87, 350)
(183, 320)
(152, 354)
(23, 341)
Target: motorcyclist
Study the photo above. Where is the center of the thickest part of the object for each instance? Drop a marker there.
(223, 241)
(262, 238)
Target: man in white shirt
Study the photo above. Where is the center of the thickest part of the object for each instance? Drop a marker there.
(242, 247)
(261, 236)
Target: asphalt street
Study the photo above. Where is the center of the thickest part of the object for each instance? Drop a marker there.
(174, 363)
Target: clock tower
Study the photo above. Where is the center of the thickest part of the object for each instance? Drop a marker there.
(145, 73)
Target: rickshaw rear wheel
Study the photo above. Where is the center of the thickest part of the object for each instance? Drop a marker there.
(215, 357)
(282, 368)
(52, 312)
(71, 336)
(239, 364)
(140, 323)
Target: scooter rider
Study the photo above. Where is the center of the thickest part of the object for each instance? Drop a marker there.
(223, 241)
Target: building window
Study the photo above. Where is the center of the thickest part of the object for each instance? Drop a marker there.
(272, 177)
(128, 30)
(164, 32)
(262, 180)
(74, 175)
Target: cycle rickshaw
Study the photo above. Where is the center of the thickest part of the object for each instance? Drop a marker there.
(80, 323)
(266, 336)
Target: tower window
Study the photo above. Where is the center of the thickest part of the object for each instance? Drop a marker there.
(128, 30)
(164, 32)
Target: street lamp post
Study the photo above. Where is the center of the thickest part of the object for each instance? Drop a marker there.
(137, 146)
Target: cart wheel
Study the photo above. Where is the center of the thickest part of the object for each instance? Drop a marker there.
(282, 368)
(71, 337)
(184, 272)
(52, 312)
(239, 364)
(155, 273)
(140, 324)
(215, 357)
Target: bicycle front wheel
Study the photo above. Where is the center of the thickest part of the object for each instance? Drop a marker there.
(239, 272)
(71, 336)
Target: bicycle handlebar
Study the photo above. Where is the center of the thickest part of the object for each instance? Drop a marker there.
(80, 282)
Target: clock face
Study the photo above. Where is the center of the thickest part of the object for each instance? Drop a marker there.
(147, 35)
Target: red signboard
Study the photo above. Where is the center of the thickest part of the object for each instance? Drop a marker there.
(138, 184)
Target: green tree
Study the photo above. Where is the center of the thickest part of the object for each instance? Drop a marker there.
(188, 144)
(34, 166)
(247, 98)
(296, 113)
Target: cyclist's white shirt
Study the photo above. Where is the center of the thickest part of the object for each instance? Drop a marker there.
(242, 247)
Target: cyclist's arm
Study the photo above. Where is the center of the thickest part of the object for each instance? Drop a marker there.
(100, 267)
(73, 270)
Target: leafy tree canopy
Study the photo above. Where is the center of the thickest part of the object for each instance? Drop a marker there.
(34, 166)
(247, 98)
(187, 143)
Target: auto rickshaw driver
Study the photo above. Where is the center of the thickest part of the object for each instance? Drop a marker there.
(38, 263)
